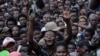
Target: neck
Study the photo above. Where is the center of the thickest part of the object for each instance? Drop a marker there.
(50, 49)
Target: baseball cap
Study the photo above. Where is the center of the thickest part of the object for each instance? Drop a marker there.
(7, 41)
(52, 26)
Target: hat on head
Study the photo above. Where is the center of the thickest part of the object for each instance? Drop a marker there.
(15, 54)
(5, 29)
(7, 40)
(51, 26)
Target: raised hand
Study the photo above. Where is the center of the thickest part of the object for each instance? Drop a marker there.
(75, 24)
(31, 16)
(66, 14)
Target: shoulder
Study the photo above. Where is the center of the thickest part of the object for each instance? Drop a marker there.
(42, 42)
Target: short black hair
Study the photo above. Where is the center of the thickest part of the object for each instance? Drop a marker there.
(11, 19)
(74, 9)
(56, 12)
(22, 15)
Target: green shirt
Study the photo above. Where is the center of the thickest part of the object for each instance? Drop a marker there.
(4, 53)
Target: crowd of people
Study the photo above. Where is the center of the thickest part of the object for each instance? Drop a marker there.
(49, 28)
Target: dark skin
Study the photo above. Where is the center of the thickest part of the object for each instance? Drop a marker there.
(93, 20)
(82, 26)
(66, 38)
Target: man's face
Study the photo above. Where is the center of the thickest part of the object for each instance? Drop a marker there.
(67, 4)
(15, 31)
(82, 21)
(52, 6)
(22, 21)
(83, 12)
(10, 24)
(23, 36)
(84, 49)
(49, 38)
(24, 10)
(87, 35)
(6, 15)
(11, 47)
(95, 40)
(46, 18)
(74, 30)
(60, 51)
(61, 24)
(37, 35)
(73, 17)
(93, 20)
(71, 48)
(15, 14)
(24, 50)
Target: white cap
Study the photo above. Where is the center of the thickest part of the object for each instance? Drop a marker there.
(7, 40)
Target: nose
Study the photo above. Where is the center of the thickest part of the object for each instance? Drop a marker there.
(49, 37)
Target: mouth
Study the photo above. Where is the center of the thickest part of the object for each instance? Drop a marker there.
(49, 42)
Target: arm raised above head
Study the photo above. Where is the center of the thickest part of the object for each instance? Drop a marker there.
(82, 26)
(66, 15)
(32, 42)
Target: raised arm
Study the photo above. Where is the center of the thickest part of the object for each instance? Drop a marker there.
(66, 15)
(82, 26)
(32, 42)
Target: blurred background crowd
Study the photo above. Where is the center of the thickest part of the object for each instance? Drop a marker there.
(49, 28)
